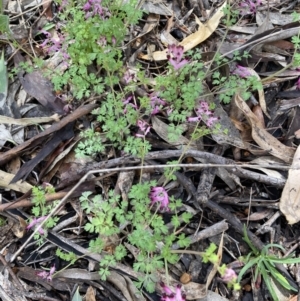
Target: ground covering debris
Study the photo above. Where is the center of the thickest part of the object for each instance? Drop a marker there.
(149, 150)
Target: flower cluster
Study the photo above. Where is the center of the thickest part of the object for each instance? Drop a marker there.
(169, 295)
(143, 127)
(35, 222)
(128, 76)
(160, 195)
(248, 7)
(204, 113)
(47, 275)
(94, 7)
(175, 56)
(156, 104)
(55, 44)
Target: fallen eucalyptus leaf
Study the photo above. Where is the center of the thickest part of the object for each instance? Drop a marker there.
(262, 137)
(290, 198)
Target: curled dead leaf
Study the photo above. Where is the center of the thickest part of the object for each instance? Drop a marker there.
(263, 138)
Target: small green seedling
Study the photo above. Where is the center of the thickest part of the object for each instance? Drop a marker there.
(264, 264)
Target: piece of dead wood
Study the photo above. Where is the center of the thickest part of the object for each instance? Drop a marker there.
(12, 274)
(211, 231)
(211, 158)
(81, 111)
(7, 291)
(207, 178)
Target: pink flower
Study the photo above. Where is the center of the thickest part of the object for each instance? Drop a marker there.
(36, 222)
(47, 275)
(127, 102)
(128, 77)
(156, 104)
(87, 6)
(46, 33)
(159, 195)
(64, 3)
(248, 7)
(211, 121)
(43, 274)
(194, 119)
(94, 7)
(229, 276)
(169, 295)
(242, 71)
(204, 113)
(144, 127)
(175, 56)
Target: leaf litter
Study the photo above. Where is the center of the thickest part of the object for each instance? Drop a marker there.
(248, 170)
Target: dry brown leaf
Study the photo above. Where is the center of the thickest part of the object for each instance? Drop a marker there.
(14, 165)
(259, 114)
(282, 44)
(90, 294)
(47, 7)
(256, 216)
(5, 179)
(290, 199)
(264, 139)
(204, 31)
(19, 228)
(28, 121)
